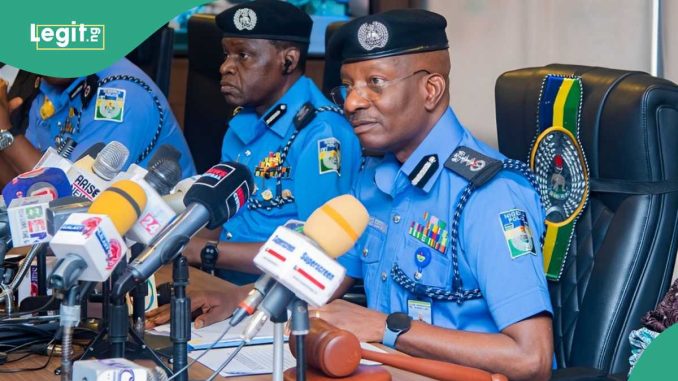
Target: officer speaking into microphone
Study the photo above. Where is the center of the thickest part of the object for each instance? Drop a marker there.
(451, 259)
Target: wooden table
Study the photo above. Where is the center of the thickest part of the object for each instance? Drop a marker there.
(198, 281)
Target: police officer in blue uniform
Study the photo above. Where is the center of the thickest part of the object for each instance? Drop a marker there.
(295, 141)
(451, 259)
(118, 103)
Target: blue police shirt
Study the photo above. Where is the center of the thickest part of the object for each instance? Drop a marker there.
(321, 164)
(119, 110)
(406, 220)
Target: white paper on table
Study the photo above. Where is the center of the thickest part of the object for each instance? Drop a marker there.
(204, 337)
(254, 359)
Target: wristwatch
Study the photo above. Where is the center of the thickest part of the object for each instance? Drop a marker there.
(208, 256)
(6, 139)
(397, 323)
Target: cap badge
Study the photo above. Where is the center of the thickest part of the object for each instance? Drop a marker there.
(372, 35)
(245, 18)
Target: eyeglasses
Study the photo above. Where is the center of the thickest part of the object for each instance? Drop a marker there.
(370, 90)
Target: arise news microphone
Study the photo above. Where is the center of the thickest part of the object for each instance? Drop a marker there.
(90, 245)
(212, 200)
(89, 177)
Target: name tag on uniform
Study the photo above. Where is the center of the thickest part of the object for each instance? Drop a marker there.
(420, 310)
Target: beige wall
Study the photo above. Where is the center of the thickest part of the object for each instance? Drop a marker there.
(489, 37)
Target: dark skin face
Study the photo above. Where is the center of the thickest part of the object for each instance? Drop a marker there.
(398, 119)
(252, 73)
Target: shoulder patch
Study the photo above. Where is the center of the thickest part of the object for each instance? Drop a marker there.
(329, 156)
(517, 233)
(110, 104)
(472, 165)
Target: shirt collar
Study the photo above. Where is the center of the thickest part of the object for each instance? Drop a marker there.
(59, 98)
(248, 126)
(441, 141)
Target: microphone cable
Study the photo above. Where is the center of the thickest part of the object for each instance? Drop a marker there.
(212, 346)
(228, 361)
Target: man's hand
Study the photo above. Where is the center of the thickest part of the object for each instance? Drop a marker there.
(367, 324)
(215, 307)
(6, 107)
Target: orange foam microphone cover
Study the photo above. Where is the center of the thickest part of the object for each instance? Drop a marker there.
(122, 202)
(337, 224)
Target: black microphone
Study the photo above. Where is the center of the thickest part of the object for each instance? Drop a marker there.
(164, 152)
(211, 201)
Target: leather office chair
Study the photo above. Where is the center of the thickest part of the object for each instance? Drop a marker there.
(621, 257)
(206, 113)
(154, 57)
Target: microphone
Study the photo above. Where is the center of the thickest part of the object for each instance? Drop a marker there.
(160, 178)
(50, 182)
(51, 158)
(89, 245)
(91, 176)
(303, 264)
(28, 221)
(115, 369)
(212, 200)
(165, 152)
(175, 199)
(60, 209)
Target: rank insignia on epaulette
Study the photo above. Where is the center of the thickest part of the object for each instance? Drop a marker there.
(329, 155)
(517, 233)
(431, 231)
(424, 170)
(110, 104)
(275, 114)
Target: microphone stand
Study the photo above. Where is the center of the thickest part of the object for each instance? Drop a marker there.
(180, 317)
(116, 329)
(278, 344)
(300, 328)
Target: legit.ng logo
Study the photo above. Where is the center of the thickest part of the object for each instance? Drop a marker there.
(73, 36)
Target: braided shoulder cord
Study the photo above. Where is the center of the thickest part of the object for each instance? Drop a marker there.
(458, 293)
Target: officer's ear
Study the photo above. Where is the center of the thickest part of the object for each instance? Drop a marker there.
(290, 60)
(436, 88)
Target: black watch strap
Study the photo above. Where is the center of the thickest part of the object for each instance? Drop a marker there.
(208, 256)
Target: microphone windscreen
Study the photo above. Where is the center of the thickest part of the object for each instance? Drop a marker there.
(163, 175)
(110, 160)
(223, 190)
(93, 151)
(164, 152)
(337, 224)
(122, 202)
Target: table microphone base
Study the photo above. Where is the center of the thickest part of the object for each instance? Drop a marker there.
(363, 373)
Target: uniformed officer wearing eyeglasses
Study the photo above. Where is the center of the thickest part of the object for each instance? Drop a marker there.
(451, 258)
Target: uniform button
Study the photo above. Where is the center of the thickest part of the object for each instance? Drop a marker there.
(396, 218)
(365, 251)
(383, 277)
(248, 153)
(229, 235)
